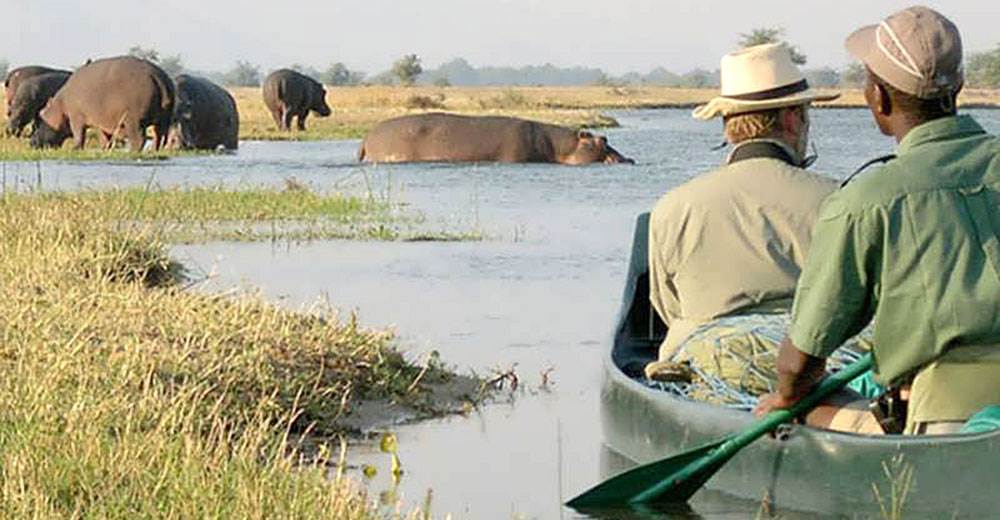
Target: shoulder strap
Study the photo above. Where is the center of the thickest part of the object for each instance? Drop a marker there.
(877, 160)
(760, 149)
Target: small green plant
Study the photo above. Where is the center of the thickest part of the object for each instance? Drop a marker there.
(899, 475)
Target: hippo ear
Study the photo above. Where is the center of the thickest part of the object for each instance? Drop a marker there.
(583, 134)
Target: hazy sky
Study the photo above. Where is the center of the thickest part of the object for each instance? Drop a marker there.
(617, 35)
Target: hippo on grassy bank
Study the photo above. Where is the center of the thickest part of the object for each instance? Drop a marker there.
(32, 95)
(119, 97)
(205, 116)
(289, 94)
(440, 137)
(20, 74)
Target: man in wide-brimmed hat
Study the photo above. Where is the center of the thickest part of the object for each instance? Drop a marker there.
(732, 241)
(913, 246)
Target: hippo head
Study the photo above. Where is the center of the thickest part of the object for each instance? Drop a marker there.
(18, 117)
(319, 101)
(51, 128)
(592, 148)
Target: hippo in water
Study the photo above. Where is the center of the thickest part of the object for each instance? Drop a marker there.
(289, 94)
(205, 116)
(440, 137)
(32, 95)
(20, 74)
(119, 97)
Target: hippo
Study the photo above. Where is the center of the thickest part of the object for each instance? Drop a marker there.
(113, 95)
(18, 75)
(441, 137)
(289, 94)
(205, 116)
(32, 95)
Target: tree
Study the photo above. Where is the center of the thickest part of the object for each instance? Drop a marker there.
(983, 69)
(145, 54)
(853, 76)
(407, 69)
(4, 67)
(244, 74)
(825, 77)
(337, 74)
(442, 81)
(172, 65)
(762, 35)
(305, 70)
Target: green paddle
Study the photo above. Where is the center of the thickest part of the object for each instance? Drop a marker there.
(676, 478)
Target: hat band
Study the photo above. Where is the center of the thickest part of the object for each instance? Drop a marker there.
(778, 92)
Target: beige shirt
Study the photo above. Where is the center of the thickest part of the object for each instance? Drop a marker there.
(731, 240)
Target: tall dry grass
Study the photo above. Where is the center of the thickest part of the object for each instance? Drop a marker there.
(357, 109)
(124, 396)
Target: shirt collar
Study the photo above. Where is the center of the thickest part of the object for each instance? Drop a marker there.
(951, 127)
(772, 149)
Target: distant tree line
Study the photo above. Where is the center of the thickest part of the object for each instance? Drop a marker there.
(982, 70)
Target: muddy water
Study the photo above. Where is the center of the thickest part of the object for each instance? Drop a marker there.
(538, 297)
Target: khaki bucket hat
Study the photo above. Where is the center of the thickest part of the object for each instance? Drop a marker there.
(761, 77)
(916, 50)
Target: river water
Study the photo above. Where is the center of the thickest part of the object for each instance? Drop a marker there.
(538, 296)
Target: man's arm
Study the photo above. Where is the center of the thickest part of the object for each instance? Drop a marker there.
(834, 300)
(798, 372)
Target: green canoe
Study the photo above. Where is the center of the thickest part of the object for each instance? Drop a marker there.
(805, 469)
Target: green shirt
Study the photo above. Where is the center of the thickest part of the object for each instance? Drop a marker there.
(914, 246)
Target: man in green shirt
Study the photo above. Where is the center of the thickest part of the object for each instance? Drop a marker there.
(913, 245)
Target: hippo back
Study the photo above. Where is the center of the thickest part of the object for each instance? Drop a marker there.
(17, 76)
(205, 115)
(109, 90)
(456, 138)
(296, 92)
(32, 95)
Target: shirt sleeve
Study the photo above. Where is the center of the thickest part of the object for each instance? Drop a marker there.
(836, 294)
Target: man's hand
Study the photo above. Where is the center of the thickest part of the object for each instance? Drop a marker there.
(797, 373)
(770, 402)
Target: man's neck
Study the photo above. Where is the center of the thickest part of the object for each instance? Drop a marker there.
(764, 147)
(902, 126)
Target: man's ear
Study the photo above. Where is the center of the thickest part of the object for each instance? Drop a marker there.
(792, 119)
(882, 100)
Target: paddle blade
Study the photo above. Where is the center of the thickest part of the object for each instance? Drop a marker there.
(659, 478)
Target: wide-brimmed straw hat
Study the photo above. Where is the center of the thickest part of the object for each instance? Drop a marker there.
(761, 77)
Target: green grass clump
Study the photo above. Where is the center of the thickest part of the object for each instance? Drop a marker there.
(125, 396)
(19, 149)
(204, 214)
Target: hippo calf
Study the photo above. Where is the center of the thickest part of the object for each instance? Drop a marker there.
(32, 95)
(441, 137)
(20, 74)
(289, 94)
(119, 97)
(205, 116)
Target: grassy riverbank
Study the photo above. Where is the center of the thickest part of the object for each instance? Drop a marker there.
(125, 396)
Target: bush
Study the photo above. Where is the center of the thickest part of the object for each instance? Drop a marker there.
(417, 101)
